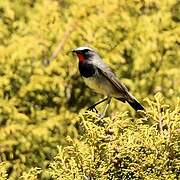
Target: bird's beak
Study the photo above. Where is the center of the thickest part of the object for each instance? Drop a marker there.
(72, 51)
(75, 51)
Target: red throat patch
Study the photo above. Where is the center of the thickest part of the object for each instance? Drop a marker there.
(81, 57)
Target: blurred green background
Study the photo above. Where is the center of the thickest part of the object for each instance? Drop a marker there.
(39, 103)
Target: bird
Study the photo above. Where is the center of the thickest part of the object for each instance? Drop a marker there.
(99, 77)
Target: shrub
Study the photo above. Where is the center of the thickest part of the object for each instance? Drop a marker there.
(41, 92)
(120, 147)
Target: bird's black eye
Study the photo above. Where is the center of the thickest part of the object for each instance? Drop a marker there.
(87, 51)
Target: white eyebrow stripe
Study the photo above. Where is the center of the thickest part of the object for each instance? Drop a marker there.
(83, 48)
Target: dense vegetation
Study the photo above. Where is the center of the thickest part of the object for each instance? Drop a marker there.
(45, 132)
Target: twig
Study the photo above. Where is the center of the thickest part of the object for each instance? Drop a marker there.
(60, 45)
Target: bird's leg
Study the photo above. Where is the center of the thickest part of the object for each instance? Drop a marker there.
(94, 105)
(106, 107)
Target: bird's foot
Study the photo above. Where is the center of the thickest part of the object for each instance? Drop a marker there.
(93, 109)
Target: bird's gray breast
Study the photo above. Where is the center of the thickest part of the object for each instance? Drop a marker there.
(100, 84)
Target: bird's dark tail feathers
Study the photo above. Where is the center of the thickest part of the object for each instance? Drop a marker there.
(135, 105)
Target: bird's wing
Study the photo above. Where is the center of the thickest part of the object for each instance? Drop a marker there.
(107, 73)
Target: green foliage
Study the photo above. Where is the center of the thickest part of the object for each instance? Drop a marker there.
(3, 174)
(120, 147)
(39, 104)
(32, 174)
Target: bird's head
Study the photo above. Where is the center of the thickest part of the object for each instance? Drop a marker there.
(84, 53)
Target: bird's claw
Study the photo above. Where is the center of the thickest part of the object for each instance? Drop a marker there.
(93, 109)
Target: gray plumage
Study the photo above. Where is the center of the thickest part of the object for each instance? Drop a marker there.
(99, 77)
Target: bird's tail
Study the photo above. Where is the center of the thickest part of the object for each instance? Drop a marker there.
(135, 104)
